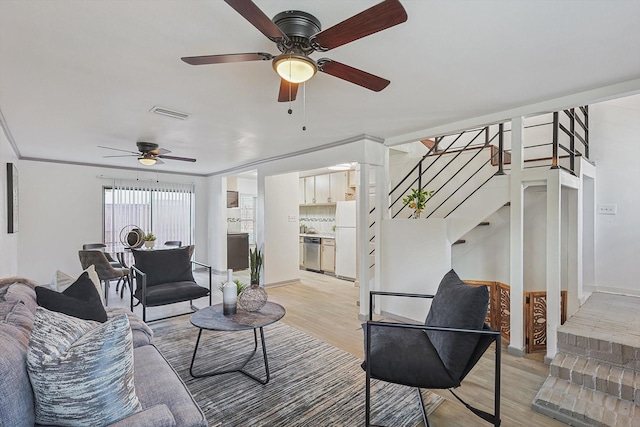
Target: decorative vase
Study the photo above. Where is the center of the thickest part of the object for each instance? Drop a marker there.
(252, 298)
(149, 244)
(229, 295)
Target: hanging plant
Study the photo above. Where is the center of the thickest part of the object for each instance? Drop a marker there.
(417, 200)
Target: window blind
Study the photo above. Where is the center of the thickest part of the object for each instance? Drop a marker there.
(164, 209)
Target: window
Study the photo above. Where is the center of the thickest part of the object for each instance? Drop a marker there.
(248, 216)
(166, 210)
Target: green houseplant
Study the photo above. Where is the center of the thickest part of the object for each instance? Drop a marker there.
(417, 200)
(149, 240)
(256, 258)
(241, 286)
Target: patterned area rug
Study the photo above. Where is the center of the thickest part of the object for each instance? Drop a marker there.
(312, 383)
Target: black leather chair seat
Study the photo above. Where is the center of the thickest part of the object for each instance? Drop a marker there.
(168, 293)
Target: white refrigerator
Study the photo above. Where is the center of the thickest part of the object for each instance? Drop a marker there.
(346, 240)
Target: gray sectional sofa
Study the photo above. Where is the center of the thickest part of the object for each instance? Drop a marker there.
(164, 397)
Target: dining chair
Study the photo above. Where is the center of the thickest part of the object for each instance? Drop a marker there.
(106, 271)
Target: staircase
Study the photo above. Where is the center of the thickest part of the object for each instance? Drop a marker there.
(595, 376)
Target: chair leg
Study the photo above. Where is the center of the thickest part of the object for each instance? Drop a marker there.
(106, 292)
(424, 410)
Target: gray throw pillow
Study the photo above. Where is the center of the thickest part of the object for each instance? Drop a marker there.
(457, 305)
(81, 371)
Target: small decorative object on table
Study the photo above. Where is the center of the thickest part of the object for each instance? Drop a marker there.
(229, 295)
(252, 298)
(255, 297)
(417, 200)
(149, 240)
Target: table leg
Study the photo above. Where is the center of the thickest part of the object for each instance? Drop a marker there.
(241, 367)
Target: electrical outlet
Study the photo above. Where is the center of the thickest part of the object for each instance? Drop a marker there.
(607, 209)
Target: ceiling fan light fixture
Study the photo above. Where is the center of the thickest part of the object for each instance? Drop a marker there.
(295, 68)
(147, 160)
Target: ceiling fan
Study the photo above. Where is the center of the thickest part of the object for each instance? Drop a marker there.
(149, 154)
(297, 34)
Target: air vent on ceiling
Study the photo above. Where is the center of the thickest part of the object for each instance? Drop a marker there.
(169, 113)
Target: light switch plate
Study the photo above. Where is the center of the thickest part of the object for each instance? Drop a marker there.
(293, 218)
(607, 209)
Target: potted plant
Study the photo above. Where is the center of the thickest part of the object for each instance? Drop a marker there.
(255, 265)
(417, 200)
(149, 240)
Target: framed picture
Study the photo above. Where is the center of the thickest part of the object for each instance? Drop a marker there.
(12, 198)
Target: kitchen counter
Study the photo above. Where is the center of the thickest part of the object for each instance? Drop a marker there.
(322, 236)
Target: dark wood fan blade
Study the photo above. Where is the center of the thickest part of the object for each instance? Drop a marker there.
(288, 91)
(184, 159)
(117, 149)
(122, 155)
(257, 18)
(377, 18)
(222, 59)
(353, 75)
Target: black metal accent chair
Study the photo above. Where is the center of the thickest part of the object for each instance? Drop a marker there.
(438, 354)
(105, 270)
(164, 276)
(177, 243)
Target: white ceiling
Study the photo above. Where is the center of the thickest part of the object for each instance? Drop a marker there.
(75, 74)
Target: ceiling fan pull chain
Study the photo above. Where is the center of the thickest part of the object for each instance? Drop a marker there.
(304, 106)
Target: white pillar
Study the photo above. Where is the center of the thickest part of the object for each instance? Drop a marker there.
(217, 241)
(574, 250)
(260, 221)
(554, 260)
(362, 236)
(516, 262)
(383, 187)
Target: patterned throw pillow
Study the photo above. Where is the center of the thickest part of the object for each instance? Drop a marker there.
(81, 371)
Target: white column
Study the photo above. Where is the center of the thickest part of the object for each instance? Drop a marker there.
(260, 221)
(362, 236)
(383, 186)
(554, 260)
(217, 241)
(574, 250)
(516, 262)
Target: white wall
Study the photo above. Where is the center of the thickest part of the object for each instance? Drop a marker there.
(615, 147)
(281, 229)
(61, 208)
(416, 254)
(8, 242)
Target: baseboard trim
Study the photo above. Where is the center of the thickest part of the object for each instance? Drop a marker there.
(516, 351)
(613, 290)
(283, 283)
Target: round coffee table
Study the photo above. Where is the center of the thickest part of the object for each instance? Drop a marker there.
(211, 318)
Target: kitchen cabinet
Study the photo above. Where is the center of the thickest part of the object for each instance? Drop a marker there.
(328, 255)
(309, 190)
(322, 189)
(338, 186)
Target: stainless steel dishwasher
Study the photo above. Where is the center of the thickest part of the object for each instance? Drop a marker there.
(311, 253)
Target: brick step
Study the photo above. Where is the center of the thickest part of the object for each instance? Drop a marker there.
(622, 351)
(597, 375)
(582, 407)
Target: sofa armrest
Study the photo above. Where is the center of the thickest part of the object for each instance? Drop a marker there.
(142, 334)
(155, 416)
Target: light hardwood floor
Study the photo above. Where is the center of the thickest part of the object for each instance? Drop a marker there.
(326, 308)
